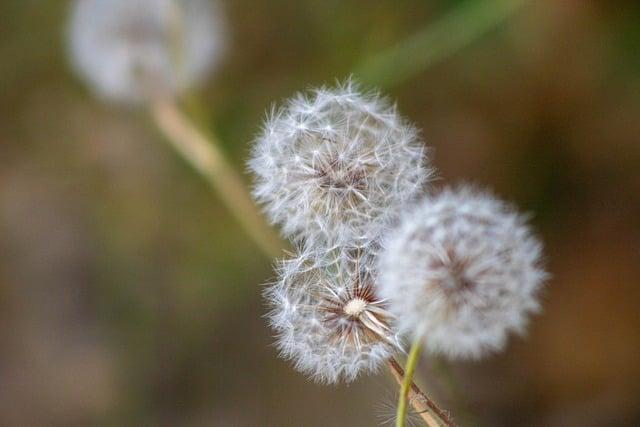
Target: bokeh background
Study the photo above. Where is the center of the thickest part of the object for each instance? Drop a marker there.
(129, 296)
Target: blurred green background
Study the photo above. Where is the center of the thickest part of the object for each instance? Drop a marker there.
(129, 296)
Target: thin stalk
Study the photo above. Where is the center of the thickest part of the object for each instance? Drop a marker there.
(418, 403)
(430, 412)
(205, 156)
(407, 382)
(449, 34)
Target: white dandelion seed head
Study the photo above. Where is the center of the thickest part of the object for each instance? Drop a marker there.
(333, 166)
(328, 320)
(463, 269)
(135, 50)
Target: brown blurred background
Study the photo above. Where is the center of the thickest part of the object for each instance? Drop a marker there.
(129, 296)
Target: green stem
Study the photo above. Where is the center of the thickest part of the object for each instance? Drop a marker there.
(410, 368)
(449, 34)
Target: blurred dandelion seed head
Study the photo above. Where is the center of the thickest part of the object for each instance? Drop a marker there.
(332, 167)
(135, 50)
(328, 319)
(464, 269)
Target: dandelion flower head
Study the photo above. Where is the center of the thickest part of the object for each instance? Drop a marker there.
(134, 50)
(464, 270)
(333, 166)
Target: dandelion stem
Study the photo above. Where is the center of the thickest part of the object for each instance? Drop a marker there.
(432, 415)
(449, 34)
(204, 155)
(407, 382)
(415, 398)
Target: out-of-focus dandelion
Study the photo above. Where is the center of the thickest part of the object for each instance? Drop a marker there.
(463, 270)
(328, 318)
(137, 50)
(334, 166)
(149, 52)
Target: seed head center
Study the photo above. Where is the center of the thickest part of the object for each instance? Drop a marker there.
(355, 307)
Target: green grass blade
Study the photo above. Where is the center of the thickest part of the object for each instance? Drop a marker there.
(436, 42)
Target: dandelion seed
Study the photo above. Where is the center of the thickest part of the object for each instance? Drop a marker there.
(386, 412)
(328, 319)
(464, 269)
(334, 166)
(134, 50)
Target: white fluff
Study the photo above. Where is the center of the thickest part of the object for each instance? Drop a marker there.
(327, 318)
(134, 50)
(464, 269)
(336, 166)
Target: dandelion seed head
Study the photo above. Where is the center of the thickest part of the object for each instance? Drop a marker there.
(333, 166)
(328, 319)
(134, 50)
(464, 269)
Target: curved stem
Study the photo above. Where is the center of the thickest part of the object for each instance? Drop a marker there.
(407, 382)
(430, 412)
(204, 155)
